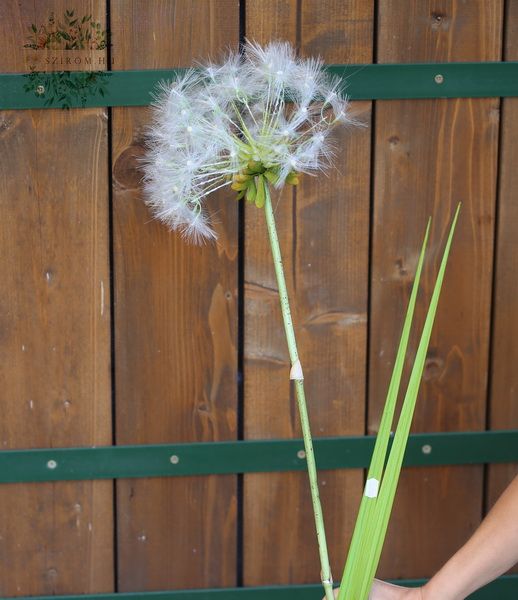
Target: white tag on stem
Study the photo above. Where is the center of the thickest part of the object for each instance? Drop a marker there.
(296, 371)
(372, 487)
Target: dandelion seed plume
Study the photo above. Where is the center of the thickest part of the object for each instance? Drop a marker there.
(259, 118)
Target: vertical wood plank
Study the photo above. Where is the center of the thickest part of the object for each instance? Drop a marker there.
(504, 376)
(175, 326)
(55, 538)
(431, 154)
(323, 232)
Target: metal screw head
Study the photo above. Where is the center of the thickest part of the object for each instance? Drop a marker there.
(439, 78)
(174, 459)
(301, 454)
(51, 464)
(40, 90)
(426, 449)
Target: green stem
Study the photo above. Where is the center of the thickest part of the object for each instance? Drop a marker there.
(301, 401)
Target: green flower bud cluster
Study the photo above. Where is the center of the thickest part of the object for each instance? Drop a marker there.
(250, 183)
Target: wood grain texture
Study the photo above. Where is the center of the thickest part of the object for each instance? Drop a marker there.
(503, 403)
(431, 154)
(323, 232)
(175, 326)
(55, 538)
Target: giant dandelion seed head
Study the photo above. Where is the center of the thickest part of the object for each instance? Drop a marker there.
(259, 118)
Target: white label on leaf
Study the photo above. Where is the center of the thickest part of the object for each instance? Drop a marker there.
(296, 371)
(372, 487)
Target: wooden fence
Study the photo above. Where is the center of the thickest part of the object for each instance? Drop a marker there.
(114, 331)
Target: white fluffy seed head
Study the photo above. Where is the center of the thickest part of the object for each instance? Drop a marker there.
(266, 105)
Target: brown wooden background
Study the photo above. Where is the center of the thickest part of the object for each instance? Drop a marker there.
(114, 331)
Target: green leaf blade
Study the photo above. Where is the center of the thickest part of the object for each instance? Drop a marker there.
(360, 536)
(395, 461)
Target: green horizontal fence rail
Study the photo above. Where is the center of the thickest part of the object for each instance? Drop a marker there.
(261, 456)
(504, 588)
(76, 89)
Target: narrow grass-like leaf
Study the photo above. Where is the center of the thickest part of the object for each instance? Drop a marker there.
(357, 547)
(375, 508)
(378, 525)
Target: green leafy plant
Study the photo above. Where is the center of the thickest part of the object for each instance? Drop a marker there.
(65, 88)
(68, 33)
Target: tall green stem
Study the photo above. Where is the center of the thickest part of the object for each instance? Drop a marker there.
(299, 391)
